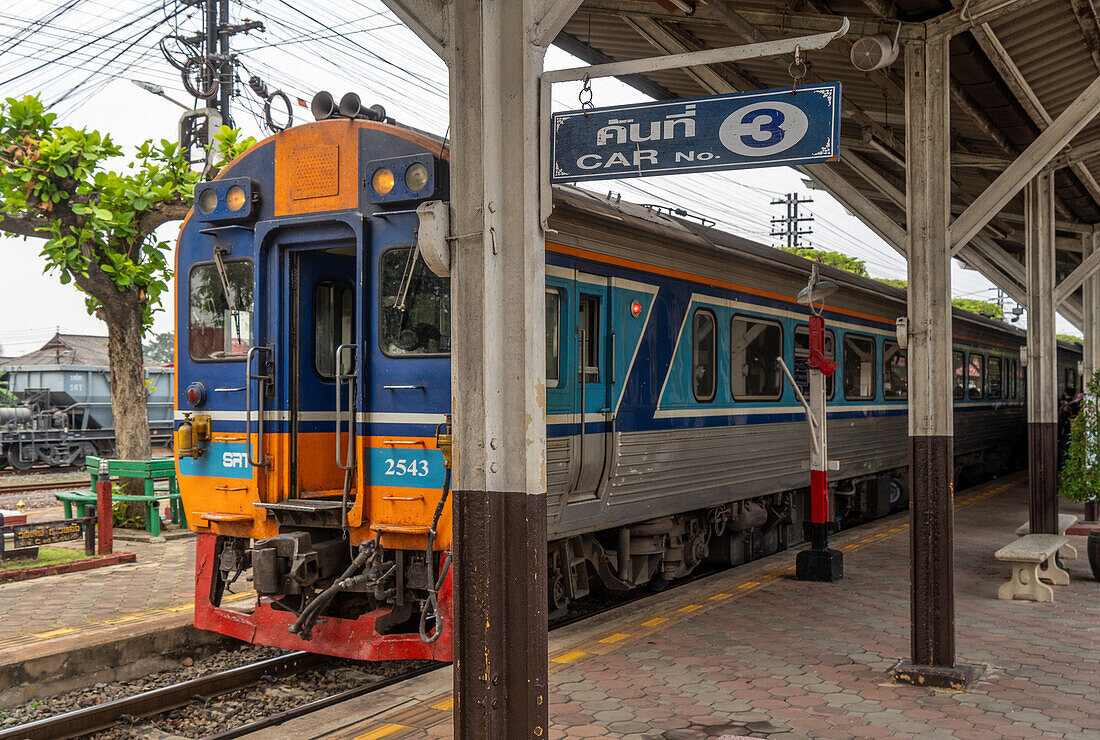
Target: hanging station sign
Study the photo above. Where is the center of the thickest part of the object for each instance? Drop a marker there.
(764, 128)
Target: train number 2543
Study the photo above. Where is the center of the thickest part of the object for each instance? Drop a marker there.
(406, 467)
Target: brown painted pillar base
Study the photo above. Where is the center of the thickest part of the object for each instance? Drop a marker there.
(1042, 448)
(932, 563)
(500, 615)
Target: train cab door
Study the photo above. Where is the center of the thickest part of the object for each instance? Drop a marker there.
(321, 363)
(592, 374)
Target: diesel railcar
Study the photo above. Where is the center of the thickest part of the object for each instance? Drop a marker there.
(313, 387)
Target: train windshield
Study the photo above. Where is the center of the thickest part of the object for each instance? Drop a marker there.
(416, 306)
(220, 310)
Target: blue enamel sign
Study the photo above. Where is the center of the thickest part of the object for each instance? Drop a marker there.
(765, 128)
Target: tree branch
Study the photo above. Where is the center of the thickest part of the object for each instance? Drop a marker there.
(36, 227)
(162, 213)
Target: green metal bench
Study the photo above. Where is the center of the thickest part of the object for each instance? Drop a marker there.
(151, 472)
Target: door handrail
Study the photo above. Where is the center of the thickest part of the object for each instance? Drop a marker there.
(260, 460)
(346, 461)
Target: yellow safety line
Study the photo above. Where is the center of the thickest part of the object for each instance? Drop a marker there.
(54, 633)
(744, 588)
(382, 732)
(568, 657)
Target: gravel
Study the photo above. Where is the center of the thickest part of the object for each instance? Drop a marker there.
(202, 718)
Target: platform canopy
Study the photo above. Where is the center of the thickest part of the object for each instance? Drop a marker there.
(1014, 67)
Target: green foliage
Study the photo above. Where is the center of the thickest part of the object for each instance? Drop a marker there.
(985, 308)
(1079, 478)
(1070, 338)
(121, 514)
(230, 145)
(93, 219)
(161, 347)
(833, 259)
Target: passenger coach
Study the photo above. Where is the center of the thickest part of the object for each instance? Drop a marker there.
(314, 386)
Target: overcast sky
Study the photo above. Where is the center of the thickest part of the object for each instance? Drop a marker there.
(81, 60)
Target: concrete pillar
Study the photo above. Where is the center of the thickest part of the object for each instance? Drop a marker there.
(498, 370)
(1042, 355)
(931, 466)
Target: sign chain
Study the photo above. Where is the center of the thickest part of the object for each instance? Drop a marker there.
(797, 70)
(585, 96)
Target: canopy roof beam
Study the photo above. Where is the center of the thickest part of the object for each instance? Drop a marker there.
(1042, 149)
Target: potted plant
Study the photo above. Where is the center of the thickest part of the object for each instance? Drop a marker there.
(1079, 478)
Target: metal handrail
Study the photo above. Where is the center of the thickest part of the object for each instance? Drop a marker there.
(347, 460)
(260, 460)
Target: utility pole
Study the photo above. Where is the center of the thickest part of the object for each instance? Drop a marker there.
(790, 230)
(217, 61)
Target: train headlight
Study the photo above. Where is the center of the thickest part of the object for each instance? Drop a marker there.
(416, 177)
(382, 181)
(231, 199)
(403, 179)
(207, 201)
(235, 198)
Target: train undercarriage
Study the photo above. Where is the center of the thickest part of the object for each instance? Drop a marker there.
(314, 587)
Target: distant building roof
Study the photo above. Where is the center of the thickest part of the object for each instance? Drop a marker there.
(70, 349)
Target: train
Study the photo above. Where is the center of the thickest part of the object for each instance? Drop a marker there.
(55, 403)
(313, 390)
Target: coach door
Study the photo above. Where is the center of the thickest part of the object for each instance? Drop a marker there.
(592, 373)
(321, 357)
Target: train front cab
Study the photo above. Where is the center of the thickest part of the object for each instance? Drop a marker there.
(312, 382)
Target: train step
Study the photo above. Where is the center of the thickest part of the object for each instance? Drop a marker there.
(299, 512)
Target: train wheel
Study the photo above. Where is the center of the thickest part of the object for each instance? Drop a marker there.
(17, 461)
(559, 602)
(899, 493)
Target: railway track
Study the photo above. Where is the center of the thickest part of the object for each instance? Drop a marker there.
(7, 488)
(157, 701)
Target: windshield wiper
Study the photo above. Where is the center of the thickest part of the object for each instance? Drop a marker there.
(230, 296)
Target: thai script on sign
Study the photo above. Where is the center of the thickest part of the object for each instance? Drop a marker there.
(759, 129)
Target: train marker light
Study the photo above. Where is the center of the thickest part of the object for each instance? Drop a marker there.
(196, 394)
(382, 181)
(235, 198)
(635, 308)
(229, 199)
(416, 177)
(207, 201)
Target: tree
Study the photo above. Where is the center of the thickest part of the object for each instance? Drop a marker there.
(98, 229)
(1070, 338)
(833, 259)
(161, 347)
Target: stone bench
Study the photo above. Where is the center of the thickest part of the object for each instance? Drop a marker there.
(1065, 521)
(1032, 559)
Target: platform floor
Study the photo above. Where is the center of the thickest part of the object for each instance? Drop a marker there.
(754, 652)
(161, 582)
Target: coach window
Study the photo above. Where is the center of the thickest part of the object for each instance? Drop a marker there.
(754, 346)
(703, 349)
(588, 319)
(859, 367)
(553, 338)
(219, 310)
(895, 375)
(802, 354)
(994, 378)
(416, 306)
(958, 361)
(1010, 378)
(333, 320)
(975, 376)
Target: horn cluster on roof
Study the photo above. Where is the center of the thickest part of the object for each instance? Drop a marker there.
(324, 107)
